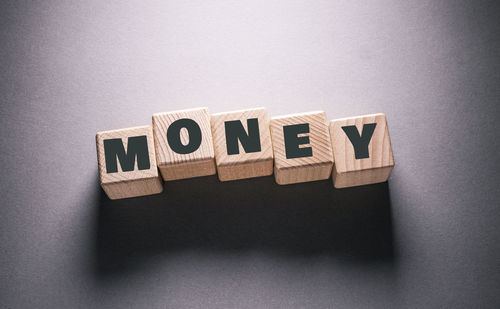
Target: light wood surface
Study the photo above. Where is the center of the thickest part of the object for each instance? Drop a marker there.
(304, 169)
(242, 165)
(348, 170)
(132, 183)
(174, 165)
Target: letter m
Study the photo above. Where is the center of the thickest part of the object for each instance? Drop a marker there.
(137, 146)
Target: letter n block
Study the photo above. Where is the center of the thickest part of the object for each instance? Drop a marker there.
(242, 144)
(362, 150)
(127, 163)
(183, 141)
(302, 148)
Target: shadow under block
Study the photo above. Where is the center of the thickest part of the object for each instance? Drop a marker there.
(242, 144)
(365, 164)
(302, 148)
(183, 143)
(127, 162)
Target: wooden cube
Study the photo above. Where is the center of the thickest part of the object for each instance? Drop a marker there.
(302, 148)
(183, 141)
(127, 162)
(242, 144)
(362, 150)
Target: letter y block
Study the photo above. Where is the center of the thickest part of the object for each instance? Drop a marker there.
(362, 150)
(127, 163)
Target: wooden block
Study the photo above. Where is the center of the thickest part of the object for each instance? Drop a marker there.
(302, 148)
(242, 144)
(183, 142)
(371, 161)
(127, 163)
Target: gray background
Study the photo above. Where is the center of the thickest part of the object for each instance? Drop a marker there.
(429, 238)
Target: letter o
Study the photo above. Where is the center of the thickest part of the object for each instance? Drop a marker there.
(174, 136)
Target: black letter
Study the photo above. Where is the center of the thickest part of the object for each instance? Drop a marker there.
(235, 132)
(292, 141)
(174, 136)
(360, 143)
(137, 146)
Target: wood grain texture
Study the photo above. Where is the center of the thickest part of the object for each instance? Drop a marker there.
(173, 165)
(316, 167)
(348, 170)
(133, 183)
(242, 165)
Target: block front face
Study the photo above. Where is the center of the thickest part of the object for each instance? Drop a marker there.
(127, 162)
(302, 147)
(242, 144)
(184, 146)
(362, 150)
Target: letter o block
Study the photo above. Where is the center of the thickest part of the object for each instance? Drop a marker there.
(242, 144)
(302, 148)
(183, 141)
(362, 150)
(127, 163)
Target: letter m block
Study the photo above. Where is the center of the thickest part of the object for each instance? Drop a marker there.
(127, 162)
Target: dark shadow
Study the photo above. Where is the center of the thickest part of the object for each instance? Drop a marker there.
(255, 214)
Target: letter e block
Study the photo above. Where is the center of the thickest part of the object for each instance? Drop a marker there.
(302, 148)
(362, 150)
(242, 144)
(127, 163)
(183, 141)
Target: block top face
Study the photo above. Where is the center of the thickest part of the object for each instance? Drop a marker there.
(115, 154)
(311, 125)
(256, 118)
(183, 136)
(379, 152)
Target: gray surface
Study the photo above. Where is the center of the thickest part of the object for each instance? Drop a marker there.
(429, 238)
